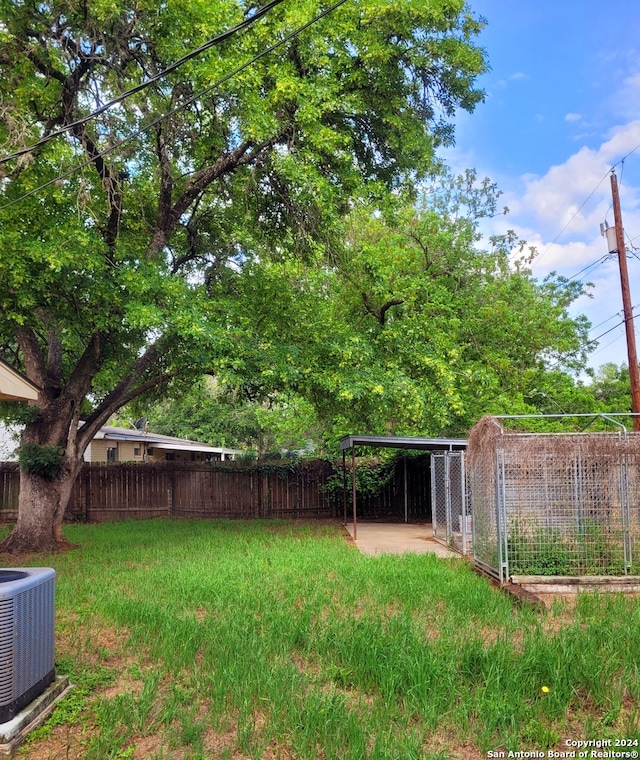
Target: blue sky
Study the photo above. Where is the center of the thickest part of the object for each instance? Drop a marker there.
(563, 107)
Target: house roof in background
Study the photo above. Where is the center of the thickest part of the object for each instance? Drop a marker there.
(14, 386)
(158, 441)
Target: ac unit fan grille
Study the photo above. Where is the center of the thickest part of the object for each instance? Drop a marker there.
(6, 650)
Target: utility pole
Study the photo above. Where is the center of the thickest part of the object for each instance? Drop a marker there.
(634, 375)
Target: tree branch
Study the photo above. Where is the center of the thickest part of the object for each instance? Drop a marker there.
(243, 155)
(124, 392)
(79, 382)
(386, 306)
(111, 182)
(166, 178)
(34, 361)
(380, 312)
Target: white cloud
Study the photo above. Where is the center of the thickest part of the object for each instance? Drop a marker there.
(517, 76)
(560, 213)
(624, 102)
(559, 208)
(571, 199)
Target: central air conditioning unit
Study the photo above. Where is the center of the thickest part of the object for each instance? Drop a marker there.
(27, 607)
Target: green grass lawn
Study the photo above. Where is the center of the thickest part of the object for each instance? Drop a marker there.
(198, 639)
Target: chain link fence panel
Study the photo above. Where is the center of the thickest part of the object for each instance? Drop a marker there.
(451, 517)
(554, 504)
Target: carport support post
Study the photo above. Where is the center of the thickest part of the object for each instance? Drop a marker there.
(406, 496)
(353, 491)
(344, 484)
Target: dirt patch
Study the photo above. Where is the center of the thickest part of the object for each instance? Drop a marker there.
(63, 742)
(97, 647)
(462, 752)
(567, 601)
(216, 744)
(92, 642)
(152, 746)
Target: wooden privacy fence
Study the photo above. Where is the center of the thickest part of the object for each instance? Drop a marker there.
(407, 478)
(223, 489)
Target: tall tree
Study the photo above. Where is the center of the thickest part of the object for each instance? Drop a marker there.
(113, 233)
(412, 328)
(224, 416)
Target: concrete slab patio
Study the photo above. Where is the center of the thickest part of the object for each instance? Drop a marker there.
(398, 538)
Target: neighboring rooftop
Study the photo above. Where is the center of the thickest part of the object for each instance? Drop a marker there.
(129, 444)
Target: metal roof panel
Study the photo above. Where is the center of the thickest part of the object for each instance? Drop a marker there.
(398, 442)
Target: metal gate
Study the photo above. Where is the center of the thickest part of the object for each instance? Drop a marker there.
(449, 504)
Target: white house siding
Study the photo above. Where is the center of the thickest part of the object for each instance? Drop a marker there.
(9, 435)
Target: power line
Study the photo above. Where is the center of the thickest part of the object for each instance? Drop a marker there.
(626, 234)
(599, 261)
(619, 324)
(593, 264)
(586, 200)
(147, 83)
(177, 109)
(606, 332)
(604, 321)
(633, 150)
(606, 257)
(594, 340)
(606, 345)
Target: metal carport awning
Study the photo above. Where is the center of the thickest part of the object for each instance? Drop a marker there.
(392, 442)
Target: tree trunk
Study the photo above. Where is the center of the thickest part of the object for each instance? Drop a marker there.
(41, 510)
(54, 442)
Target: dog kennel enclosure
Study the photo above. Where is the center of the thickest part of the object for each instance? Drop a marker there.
(561, 504)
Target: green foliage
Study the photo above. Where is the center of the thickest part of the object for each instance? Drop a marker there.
(611, 388)
(18, 412)
(541, 552)
(222, 416)
(42, 461)
(410, 329)
(85, 679)
(372, 476)
(128, 238)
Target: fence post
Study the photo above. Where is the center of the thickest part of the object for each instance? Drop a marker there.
(501, 517)
(86, 482)
(170, 492)
(266, 496)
